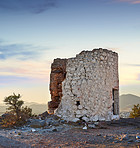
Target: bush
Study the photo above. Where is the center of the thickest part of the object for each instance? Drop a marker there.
(17, 114)
(135, 111)
(9, 119)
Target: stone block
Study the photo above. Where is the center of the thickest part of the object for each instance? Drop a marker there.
(80, 107)
(75, 119)
(85, 119)
(37, 123)
(94, 118)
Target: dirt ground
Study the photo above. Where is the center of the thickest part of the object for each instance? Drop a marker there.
(108, 136)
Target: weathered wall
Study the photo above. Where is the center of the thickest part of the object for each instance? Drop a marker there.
(88, 89)
(58, 73)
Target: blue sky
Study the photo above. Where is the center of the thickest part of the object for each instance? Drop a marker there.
(33, 33)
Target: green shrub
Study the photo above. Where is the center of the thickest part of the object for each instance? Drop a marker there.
(17, 114)
(135, 111)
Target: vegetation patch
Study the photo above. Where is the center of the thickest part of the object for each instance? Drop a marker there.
(135, 111)
(16, 114)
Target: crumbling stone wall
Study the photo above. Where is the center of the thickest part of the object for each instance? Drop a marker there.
(58, 74)
(91, 87)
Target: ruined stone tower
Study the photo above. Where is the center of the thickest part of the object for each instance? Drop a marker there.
(85, 87)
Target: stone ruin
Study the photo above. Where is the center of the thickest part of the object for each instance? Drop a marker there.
(85, 87)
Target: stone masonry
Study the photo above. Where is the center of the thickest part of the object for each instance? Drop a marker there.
(58, 73)
(90, 87)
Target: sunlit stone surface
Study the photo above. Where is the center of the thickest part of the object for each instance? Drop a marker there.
(90, 89)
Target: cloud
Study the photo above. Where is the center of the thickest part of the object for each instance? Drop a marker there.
(12, 79)
(138, 77)
(33, 70)
(130, 1)
(132, 65)
(34, 6)
(21, 51)
(19, 61)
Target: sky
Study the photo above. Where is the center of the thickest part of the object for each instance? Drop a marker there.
(34, 32)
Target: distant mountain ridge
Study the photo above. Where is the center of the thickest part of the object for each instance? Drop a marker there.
(127, 101)
(36, 107)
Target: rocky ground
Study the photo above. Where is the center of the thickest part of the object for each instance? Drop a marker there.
(59, 134)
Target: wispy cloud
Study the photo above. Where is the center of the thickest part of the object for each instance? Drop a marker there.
(132, 65)
(138, 77)
(34, 6)
(28, 69)
(12, 79)
(21, 51)
(130, 1)
(19, 61)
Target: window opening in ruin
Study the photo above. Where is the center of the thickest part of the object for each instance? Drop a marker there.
(115, 100)
(65, 75)
(77, 103)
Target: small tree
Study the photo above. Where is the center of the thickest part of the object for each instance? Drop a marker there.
(17, 114)
(135, 111)
(14, 104)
